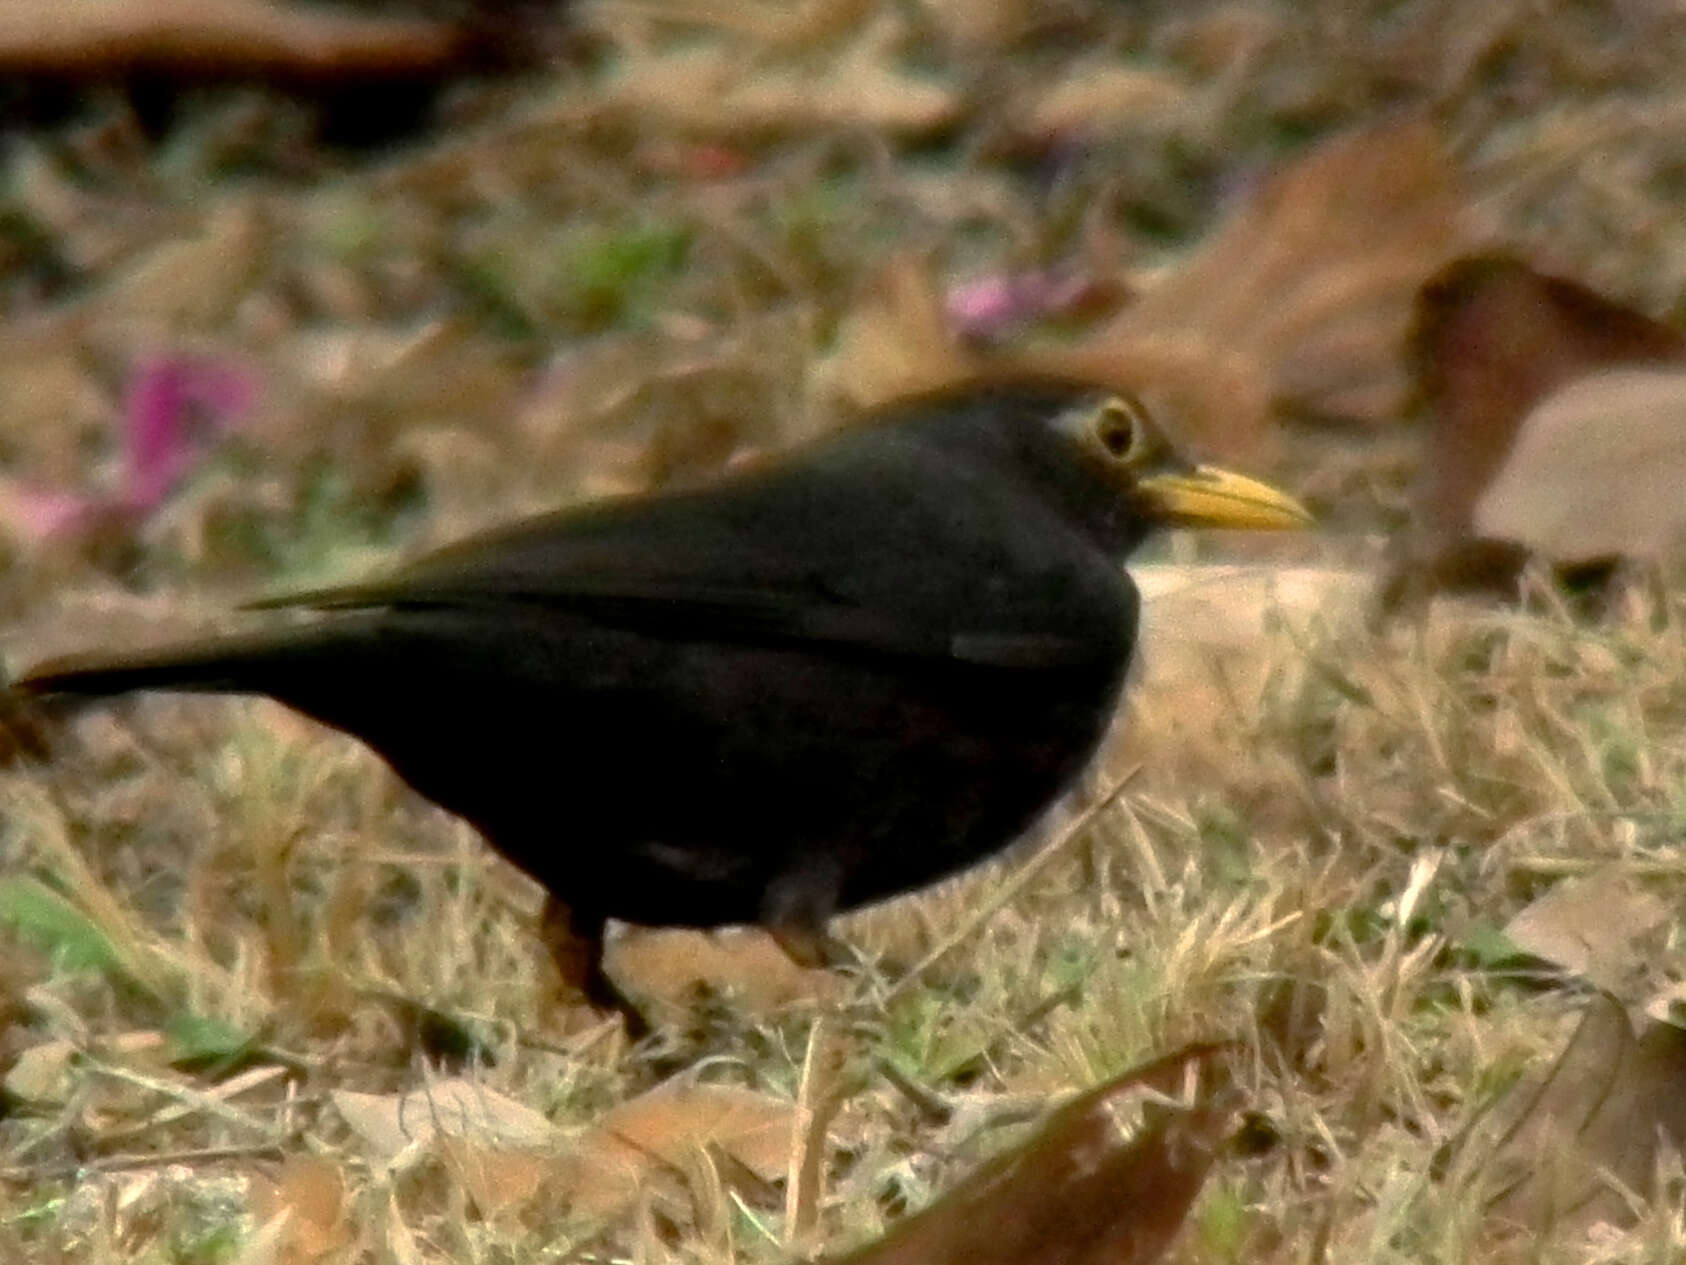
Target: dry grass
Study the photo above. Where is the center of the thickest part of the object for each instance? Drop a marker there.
(1328, 900)
(1321, 834)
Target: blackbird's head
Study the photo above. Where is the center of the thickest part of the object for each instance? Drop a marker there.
(1101, 458)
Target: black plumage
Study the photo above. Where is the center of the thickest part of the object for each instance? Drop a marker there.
(817, 683)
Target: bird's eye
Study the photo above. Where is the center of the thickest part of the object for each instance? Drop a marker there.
(1118, 425)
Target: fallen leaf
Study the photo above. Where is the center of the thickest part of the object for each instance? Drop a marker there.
(1108, 1178)
(506, 1154)
(660, 1132)
(1301, 296)
(1596, 470)
(1494, 342)
(632, 411)
(769, 23)
(1104, 97)
(53, 403)
(1583, 1140)
(1222, 37)
(212, 37)
(309, 1200)
(43, 1072)
(729, 88)
(672, 964)
(263, 1245)
(500, 1181)
(982, 25)
(1597, 927)
(46, 1073)
(405, 368)
(459, 1108)
(896, 341)
(188, 283)
(1492, 338)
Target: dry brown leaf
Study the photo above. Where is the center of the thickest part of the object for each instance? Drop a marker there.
(435, 368)
(1497, 350)
(1101, 98)
(630, 412)
(1493, 337)
(1304, 292)
(863, 86)
(1109, 1178)
(458, 1108)
(1599, 927)
(1596, 470)
(897, 341)
(51, 405)
(309, 1200)
(192, 283)
(386, 407)
(1213, 40)
(213, 37)
(1215, 399)
(671, 964)
(776, 25)
(42, 1073)
(658, 1133)
(730, 88)
(501, 1182)
(263, 1246)
(982, 25)
(1583, 1141)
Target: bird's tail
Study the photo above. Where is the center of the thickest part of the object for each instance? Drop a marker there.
(223, 665)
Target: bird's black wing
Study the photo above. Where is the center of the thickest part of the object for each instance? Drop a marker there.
(885, 547)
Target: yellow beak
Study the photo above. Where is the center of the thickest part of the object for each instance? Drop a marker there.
(1209, 497)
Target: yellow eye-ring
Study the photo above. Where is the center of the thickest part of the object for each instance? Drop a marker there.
(1121, 428)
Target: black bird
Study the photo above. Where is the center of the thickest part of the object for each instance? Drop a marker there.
(815, 684)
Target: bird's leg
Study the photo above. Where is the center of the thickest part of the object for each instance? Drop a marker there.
(810, 947)
(794, 912)
(575, 940)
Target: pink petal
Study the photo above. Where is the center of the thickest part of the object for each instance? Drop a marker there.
(35, 515)
(983, 307)
(161, 445)
(998, 304)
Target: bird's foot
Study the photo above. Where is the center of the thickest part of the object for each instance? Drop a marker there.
(575, 941)
(811, 946)
(794, 911)
(603, 994)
